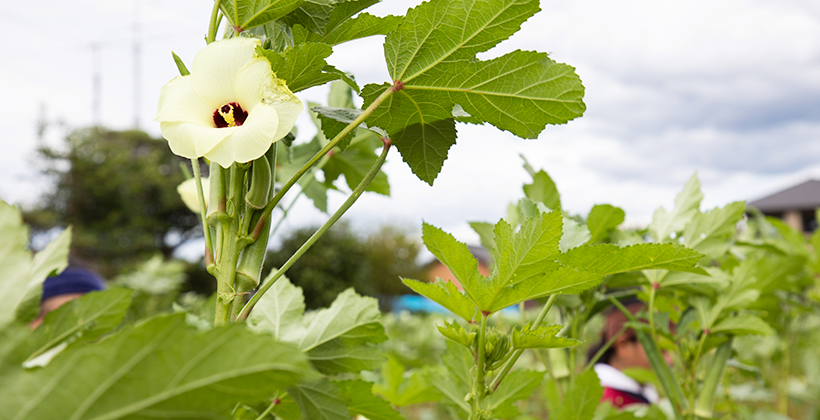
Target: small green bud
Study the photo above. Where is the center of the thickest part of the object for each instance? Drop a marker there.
(496, 345)
(249, 267)
(456, 333)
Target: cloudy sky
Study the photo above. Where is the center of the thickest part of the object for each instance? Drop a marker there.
(729, 89)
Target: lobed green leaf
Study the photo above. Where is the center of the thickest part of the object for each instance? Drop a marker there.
(608, 259)
(543, 337)
(603, 218)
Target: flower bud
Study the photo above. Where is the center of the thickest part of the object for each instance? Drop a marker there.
(496, 346)
(216, 195)
(249, 267)
(259, 192)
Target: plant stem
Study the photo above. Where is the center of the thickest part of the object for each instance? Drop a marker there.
(230, 249)
(328, 147)
(507, 366)
(603, 350)
(650, 308)
(214, 22)
(479, 387)
(269, 409)
(374, 170)
(209, 256)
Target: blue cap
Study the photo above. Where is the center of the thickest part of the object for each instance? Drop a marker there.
(72, 280)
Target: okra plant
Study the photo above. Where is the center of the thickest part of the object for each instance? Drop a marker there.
(232, 110)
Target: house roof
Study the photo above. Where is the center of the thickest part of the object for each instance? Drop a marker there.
(805, 196)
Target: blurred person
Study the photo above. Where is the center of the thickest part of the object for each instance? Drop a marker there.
(72, 283)
(625, 352)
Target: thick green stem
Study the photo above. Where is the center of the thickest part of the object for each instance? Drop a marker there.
(507, 366)
(229, 252)
(706, 399)
(479, 387)
(209, 256)
(371, 174)
(328, 147)
(650, 308)
(214, 22)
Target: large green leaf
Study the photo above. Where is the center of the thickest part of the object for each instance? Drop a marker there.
(431, 58)
(279, 311)
(543, 337)
(302, 66)
(524, 254)
(354, 163)
(160, 368)
(565, 280)
(246, 14)
(336, 339)
(543, 190)
(342, 27)
(312, 14)
(518, 385)
(581, 399)
(86, 318)
(603, 218)
(708, 232)
(520, 92)
(741, 325)
(421, 126)
(687, 204)
(364, 403)
(20, 274)
(443, 31)
(402, 390)
(525, 266)
(457, 257)
(607, 259)
(319, 399)
(445, 294)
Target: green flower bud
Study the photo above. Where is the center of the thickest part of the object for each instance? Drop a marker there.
(259, 193)
(496, 346)
(249, 267)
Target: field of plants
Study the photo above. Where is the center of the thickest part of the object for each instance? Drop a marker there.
(722, 304)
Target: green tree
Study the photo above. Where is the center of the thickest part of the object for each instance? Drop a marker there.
(118, 190)
(341, 259)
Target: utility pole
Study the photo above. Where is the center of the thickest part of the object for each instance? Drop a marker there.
(136, 50)
(96, 84)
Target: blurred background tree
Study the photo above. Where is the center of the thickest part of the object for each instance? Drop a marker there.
(341, 259)
(118, 190)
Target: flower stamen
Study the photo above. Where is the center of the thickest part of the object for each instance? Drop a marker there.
(229, 115)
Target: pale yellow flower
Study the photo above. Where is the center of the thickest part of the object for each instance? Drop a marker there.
(231, 107)
(187, 191)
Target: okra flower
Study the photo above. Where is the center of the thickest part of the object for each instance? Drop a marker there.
(231, 107)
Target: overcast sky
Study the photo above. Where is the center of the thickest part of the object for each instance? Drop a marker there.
(729, 89)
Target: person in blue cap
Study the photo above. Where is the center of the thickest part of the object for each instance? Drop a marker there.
(72, 283)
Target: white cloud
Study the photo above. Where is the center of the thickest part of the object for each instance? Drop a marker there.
(729, 89)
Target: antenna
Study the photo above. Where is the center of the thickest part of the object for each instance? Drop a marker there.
(136, 49)
(96, 84)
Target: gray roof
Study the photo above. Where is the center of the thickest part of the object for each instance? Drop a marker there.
(805, 196)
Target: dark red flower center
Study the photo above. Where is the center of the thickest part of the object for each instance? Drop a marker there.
(230, 115)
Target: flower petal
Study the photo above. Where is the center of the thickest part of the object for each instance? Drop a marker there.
(287, 105)
(178, 102)
(191, 140)
(250, 141)
(187, 191)
(251, 82)
(214, 69)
